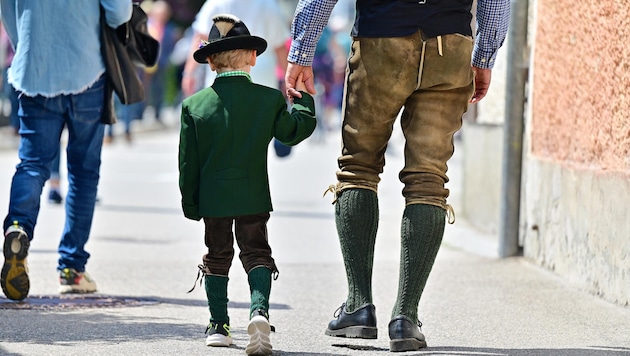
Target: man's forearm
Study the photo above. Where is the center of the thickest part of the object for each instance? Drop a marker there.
(493, 17)
(311, 16)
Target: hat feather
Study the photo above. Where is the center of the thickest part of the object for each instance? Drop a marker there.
(225, 23)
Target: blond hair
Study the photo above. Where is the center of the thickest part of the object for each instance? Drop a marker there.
(236, 58)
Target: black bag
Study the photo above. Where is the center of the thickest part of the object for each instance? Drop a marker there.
(125, 49)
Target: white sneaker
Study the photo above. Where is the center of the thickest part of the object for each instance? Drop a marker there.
(259, 331)
(218, 335)
(71, 281)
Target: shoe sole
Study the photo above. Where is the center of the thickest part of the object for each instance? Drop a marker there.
(14, 277)
(356, 332)
(74, 290)
(402, 345)
(259, 331)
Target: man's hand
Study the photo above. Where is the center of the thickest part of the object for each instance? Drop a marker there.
(299, 85)
(291, 78)
(482, 83)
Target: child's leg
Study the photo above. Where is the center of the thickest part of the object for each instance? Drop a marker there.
(251, 236)
(216, 267)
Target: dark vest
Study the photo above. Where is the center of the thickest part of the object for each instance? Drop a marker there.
(397, 18)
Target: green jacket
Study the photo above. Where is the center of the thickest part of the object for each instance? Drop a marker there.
(225, 132)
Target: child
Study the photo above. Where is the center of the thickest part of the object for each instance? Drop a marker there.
(225, 133)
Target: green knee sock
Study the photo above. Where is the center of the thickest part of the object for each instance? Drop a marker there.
(260, 288)
(216, 292)
(422, 230)
(356, 216)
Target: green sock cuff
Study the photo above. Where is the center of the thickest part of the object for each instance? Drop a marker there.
(259, 279)
(216, 293)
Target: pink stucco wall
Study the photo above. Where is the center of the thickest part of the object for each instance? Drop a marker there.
(581, 92)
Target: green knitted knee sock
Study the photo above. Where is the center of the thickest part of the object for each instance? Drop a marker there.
(422, 229)
(216, 292)
(260, 288)
(356, 215)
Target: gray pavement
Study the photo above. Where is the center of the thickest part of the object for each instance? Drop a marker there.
(145, 253)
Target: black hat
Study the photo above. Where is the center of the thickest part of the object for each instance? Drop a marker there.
(228, 33)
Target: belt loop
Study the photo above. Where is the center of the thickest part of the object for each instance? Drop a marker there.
(439, 44)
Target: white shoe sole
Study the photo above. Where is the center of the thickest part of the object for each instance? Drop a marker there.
(218, 340)
(75, 290)
(258, 331)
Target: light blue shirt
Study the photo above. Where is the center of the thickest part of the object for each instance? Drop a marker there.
(57, 43)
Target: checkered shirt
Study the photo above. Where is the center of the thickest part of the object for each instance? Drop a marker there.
(311, 16)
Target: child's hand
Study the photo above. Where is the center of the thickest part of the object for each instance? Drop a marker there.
(299, 84)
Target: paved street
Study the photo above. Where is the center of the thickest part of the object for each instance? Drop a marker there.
(145, 256)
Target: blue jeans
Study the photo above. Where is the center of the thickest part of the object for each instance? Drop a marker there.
(41, 122)
(12, 95)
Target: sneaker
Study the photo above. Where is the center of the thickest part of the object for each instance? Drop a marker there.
(54, 197)
(258, 331)
(14, 277)
(218, 335)
(72, 281)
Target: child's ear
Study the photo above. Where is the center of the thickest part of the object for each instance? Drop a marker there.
(212, 66)
(253, 58)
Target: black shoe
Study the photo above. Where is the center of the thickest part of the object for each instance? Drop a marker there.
(405, 335)
(359, 324)
(54, 197)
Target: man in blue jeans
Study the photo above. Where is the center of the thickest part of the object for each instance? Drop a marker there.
(58, 72)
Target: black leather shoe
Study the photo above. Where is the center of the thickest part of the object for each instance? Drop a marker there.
(405, 335)
(359, 324)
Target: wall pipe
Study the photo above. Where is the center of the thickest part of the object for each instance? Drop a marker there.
(517, 72)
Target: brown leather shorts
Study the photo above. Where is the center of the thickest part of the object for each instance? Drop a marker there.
(251, 237)
(431, 80)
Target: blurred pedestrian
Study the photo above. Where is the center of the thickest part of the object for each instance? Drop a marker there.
(181, 52)
(155, 79)
(126, 114)
(58, 88)
(54, 182)
(225, 133)
(409, 55)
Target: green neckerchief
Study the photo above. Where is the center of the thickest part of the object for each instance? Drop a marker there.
(235, 73)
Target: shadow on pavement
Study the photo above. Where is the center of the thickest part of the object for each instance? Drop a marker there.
(63, 328)
(93, 301)
(475, 351)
